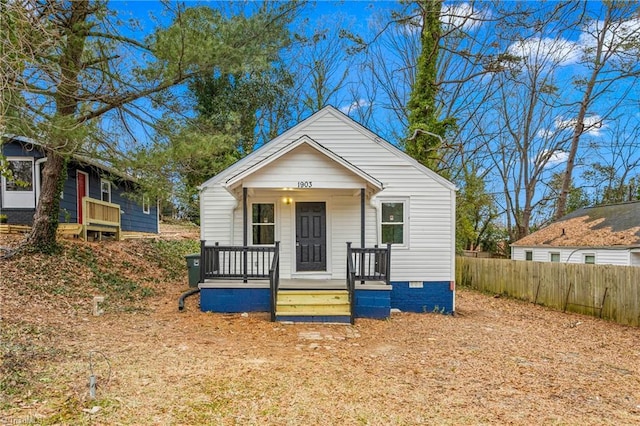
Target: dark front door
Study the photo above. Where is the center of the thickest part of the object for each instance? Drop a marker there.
(311, 237)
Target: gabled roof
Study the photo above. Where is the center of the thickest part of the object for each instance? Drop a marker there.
(281, 140)
(76, 158)
(305, 140)
(613, 225)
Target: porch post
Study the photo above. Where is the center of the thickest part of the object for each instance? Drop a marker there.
(245, 217)
(362, 235)
(362, 217)
(245, 237)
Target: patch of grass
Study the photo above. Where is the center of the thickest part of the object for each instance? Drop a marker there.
(68, 412)
(121, 292)
(169, 255)
(22, 345)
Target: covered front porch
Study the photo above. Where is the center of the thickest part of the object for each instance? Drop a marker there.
(247, 279)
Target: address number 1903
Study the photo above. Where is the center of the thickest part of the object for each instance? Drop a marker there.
(305, 184)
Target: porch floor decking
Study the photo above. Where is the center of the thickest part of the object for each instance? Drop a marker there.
(294, 284)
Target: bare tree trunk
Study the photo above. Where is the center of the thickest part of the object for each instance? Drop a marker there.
(573, 150)
(45, 221)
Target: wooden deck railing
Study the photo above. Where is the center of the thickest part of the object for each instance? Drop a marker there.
(100, 216)
(366, 264)
(274, 281)
(235, 262)
(242, 263)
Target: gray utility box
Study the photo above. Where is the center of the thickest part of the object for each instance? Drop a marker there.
(193, 265)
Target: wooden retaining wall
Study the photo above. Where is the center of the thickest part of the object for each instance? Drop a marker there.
(606, 291)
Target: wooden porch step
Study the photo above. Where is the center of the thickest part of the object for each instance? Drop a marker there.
(312, 303)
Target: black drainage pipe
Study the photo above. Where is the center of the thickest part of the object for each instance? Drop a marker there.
(185, 295)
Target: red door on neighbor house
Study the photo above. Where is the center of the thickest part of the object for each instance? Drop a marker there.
(81, 191)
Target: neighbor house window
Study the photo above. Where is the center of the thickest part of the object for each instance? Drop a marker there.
(392, 223)
(146, 208)
(555, 257)
(528, 255)
(22, 171)
(263, 223)
(105, 190)
(18, 191)
(590, 258)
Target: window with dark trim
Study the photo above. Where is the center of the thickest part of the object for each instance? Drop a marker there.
(528, 255)
(263, 223)
(392, 223)
(590, 259)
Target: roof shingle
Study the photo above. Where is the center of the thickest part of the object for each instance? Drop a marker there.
(601, 226)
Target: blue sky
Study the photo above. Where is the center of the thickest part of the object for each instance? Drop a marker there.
(566, 45)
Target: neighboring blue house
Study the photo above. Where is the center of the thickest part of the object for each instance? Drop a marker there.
(89, 185)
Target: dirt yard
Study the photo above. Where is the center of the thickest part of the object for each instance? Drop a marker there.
(497, 361)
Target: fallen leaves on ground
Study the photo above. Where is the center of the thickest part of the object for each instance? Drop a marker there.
(497, 361)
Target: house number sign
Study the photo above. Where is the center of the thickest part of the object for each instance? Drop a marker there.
(305, 184)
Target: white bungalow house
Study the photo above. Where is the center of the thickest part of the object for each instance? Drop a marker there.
(327, 211)
(603, 235)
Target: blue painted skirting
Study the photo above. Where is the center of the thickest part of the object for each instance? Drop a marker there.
(233, 300)
(434, 296)
(373, 304)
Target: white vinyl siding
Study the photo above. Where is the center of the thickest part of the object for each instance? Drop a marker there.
(305, 167)
(216, 215)
(430, 214)
(603, 256)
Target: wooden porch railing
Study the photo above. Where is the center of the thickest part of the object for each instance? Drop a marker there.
(242, 263)
(274, 281)
(366, 264)
(100, 216)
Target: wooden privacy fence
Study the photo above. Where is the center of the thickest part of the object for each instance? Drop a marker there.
(606, 291)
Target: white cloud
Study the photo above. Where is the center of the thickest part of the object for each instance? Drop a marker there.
(620, 37)
(593, 125)
(545, 133)
(554, 158)
(546, 51)
(459, 15)
(463, 15)
(355, 105)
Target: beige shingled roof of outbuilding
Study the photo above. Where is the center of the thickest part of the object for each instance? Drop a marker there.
(602, 226)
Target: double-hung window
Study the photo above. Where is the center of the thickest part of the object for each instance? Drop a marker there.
(146, 208)
(554, 257)
(105, 190)
(19, 190)
(263, 223)
(393, 222)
